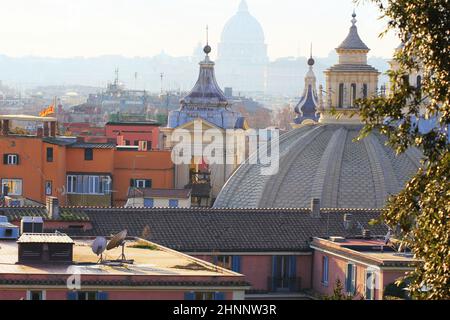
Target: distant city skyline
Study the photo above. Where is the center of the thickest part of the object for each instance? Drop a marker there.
(86, 28)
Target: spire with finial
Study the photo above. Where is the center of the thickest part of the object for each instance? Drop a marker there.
(207, 48)
(353, 41)
(310, 60)
(354, 17)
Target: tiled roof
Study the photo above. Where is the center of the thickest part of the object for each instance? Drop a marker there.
(60, 141)
(66, 214)
(158, 193)
(86, 145)
(352, 68)
(134, 123)
(124, 283)
(44, 238)
(228, 230)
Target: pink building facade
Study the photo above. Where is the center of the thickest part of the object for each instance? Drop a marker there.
(365, 267)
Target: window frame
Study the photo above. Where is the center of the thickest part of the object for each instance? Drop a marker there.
(152, 200)
(88, 154)
(372, 290)
(172, 201)
(221, 262)
(42, 293)
(10, 193)
(350, 283)
(89, 184)
(341, 95)
(10, 161)
(50, 157)
(50, 184)
(325, 270)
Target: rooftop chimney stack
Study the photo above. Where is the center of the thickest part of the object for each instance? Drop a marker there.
(315, 208)
(348, 221)
(53, 208)
(366, 234)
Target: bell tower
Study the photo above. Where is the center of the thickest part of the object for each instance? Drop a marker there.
(351, 79)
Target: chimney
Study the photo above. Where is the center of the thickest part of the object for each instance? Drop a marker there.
(52, 208)
(348, 221)
(315, 208)
(366, 234)
(46, 129)
(5, 127)
(40, 132)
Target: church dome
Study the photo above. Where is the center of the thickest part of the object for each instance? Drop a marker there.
(322, 161)
(242, 27)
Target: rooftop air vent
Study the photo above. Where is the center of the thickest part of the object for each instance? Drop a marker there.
(337, 239)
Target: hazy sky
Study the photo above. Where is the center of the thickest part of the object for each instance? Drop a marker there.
(68, 28)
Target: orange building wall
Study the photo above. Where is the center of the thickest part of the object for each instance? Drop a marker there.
(30, 164)
(155, 165)
(34, 170)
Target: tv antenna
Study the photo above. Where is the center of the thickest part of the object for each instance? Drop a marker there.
(98, 247)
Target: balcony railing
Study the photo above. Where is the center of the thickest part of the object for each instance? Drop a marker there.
(285, 284)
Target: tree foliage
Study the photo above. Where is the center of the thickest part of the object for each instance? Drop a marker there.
(338, 293)
(420, 214)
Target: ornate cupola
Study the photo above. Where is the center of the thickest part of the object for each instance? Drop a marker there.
(306, 108)
(206, 101)
(206, 92)
(351, 79)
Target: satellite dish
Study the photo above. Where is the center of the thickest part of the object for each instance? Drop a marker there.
(99, 245)
(387, 237)
(117, 240)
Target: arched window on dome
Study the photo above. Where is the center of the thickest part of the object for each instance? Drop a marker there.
(365, 91)
(353, 94)
(419, 84)
(341, 95)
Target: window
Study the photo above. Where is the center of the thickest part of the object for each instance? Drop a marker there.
(49, 154)
(284, 273)
(350, 280)
(14, 186)
(224, 262)
(48, 188)
(325, 270)
(419, 85)
(353, 88)
(141, 183)
(11, 159)
(35, 295)
(88, 184)
(204, 296)
(149, 145)
(173, 203)
(341, 95)
(88, 154)
(370, 285)
(365, 90)
(148, 203)
(87, 295)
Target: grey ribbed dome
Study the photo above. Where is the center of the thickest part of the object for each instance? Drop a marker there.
(322, 161)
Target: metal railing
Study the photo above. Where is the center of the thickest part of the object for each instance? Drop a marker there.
(284, 284)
